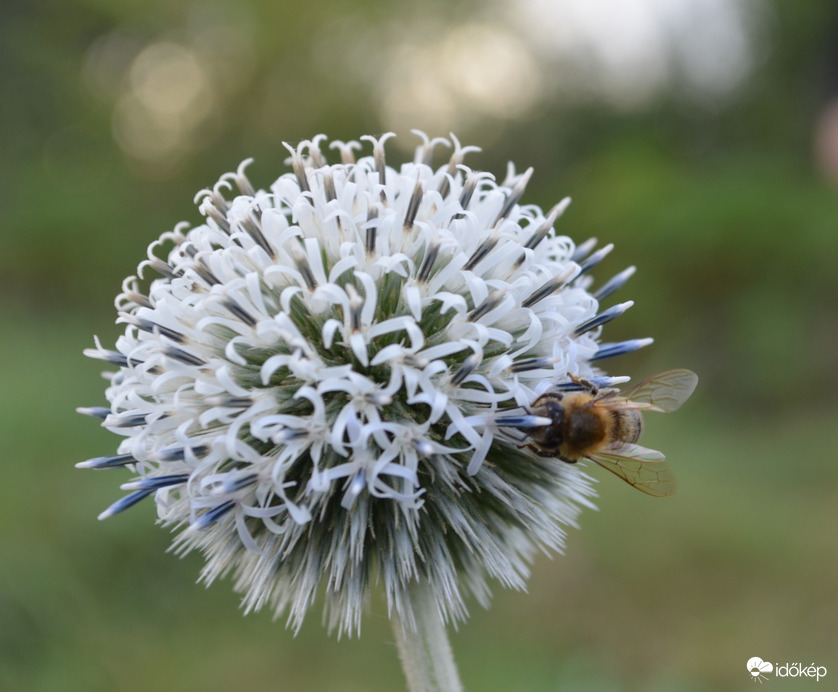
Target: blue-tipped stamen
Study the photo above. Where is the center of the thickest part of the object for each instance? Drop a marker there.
(252, 226)
(236, 402)
(468, 366)
(211, 516)
(303, 266)
(369, 243)
(288, 434)
(127, 420)
(109, 462)
(492, 301)
(583, 250)
(328, 181)
(613, 284)
(543, 229)
(481, 252)
(514, 196)
(413, 206)
(157, 482)
(227, 401)
(154, 328)
(215, 214)
(527, 364)
(94, 411)
(161, 267)
(356, 303)
(595, 258)
(124, 503)
(605, 316)
(180, 355)
(238, 311)
(618, 349)
(298, 166)
(428, 263)
(201, 269)
(235, 482)
(178, 453)
(112, 357)
(546, 289)
(468, 190)
(356, 486)
(524, 422)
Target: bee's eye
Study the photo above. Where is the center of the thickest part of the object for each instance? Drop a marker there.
(556, 411)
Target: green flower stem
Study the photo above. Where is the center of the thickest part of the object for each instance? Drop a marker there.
(425, 653)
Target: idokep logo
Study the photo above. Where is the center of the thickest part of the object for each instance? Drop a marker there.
(759, 670)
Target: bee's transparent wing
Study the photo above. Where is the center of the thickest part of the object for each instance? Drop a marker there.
(645, 469)
(663, 392)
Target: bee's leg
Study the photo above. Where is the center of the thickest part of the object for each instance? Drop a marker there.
(539, 452)
(584, 382)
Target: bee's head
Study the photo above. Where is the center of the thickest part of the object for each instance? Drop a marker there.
(548, 437)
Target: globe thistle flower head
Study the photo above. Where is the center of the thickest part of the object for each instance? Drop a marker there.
(311, 388)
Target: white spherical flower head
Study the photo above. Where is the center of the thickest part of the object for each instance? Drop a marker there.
(310, 388)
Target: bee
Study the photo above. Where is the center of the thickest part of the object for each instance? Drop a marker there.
(604, 425)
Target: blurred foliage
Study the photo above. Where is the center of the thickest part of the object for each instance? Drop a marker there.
(718, 203)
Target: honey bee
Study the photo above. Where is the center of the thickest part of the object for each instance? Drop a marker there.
(604, 425)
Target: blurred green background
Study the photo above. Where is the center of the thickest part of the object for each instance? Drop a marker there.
(700, 136)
